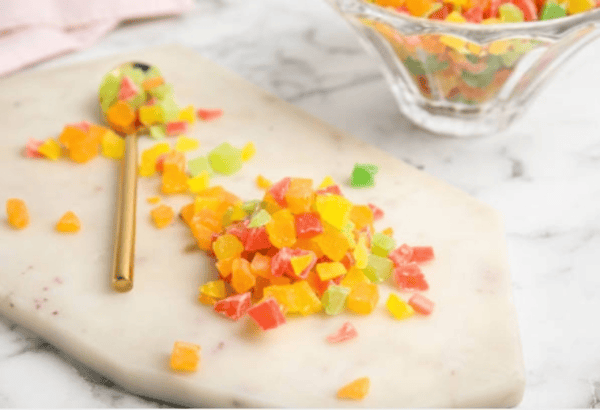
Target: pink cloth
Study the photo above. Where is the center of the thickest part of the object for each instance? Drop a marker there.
(36, 30)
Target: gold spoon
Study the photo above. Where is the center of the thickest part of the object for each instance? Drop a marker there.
(124, 242)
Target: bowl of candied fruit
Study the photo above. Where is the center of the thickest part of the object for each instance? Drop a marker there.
(467, 68)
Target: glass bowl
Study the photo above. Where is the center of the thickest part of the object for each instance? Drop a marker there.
(466, 80)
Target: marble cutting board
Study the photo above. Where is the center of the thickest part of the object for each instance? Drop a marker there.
(466, 354)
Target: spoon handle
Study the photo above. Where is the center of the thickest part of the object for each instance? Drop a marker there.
(124, 244)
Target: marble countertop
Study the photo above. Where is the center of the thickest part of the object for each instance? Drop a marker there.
(543, 174)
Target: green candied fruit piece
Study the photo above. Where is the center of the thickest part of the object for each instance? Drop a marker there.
(109, 90)
(334, 299)
(197, 165)
(509, 13)
(363, 175)
(378, 268)
(136, 74)
(170, 108)
(433, 65)
(226, 159)
(382, 244)
(415, 67)
(260, 219)
(552, 11)
(138, 100)
(157, 132)
(152, 72)
(251, 206)
(162, 91)
(510, 58)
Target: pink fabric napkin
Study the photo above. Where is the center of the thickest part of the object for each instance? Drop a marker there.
(36, 30)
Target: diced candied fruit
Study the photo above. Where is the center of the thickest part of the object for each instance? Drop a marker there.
(363, 175)
(361, 216)
(187, 114)
(377, 212)
(363, 298)
(278, 191)
(162, 216)
(242, 279)
(421, 304)
(422, 254)
(281, 229)
(234, 307)
(128, 90)
(50, 149)
(209, 114)
(31, 148)
(389, 231)
(327, 181)
(71, 133)
(174, 181)
(199, 182)
(334, 299)
(333, 209)
(121, 117)
(151, 83)
(308, 225)
(262, 182)
(69, 222)
(378, 268)
(307, 301)
(330, 270)
(157, 132)
(409, 276)
(257, 239)
(225, 159)
(261, 265)
(361, 252)
(176, 128)
(227, 246)
(346, 332)
(381, 244)
(401, 255)
(267, 314)
(214, 289)
(331, 189)
(248, 151)
(333, 243)
(261, 218)
(150, 115)
(357, 389)
(206, 300)
(113, 146)
(185, 356)
(399, 308)
(185, 144)
(17, 213)
(197, 165)
(302, 262)
(153, 199)
(299, 195)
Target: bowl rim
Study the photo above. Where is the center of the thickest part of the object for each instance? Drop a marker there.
(418, 25)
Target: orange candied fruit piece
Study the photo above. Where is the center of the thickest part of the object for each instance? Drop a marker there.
(69, 222)
(282, 229)
(162, 216)
(174, 181)
(299, 195)
(69, 134)
(153, 199)
(261, 266)
(228, 246)
(361, 216)
(84, 149)
(202, 234)
(388, 231)
(355, 390)
(121, 117)
(185, 356)
(187, 213)
(363, 298)
(151, 83)
(242, 279)
(263, 183)
(18, 215)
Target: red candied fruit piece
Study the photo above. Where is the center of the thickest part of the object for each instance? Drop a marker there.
(160, 162)
(401, 255)
(31, 148)
(348, 260)
(528, 8)
(422, 254)
(331, 189)
(442, 13)
(346, 332)
(267, 314)
(317, 284)
(240, 231)
(209, 114)
(234, 306)
(279, 189)
(280, 262)
(308, 225)
(177, 127)
(492, 10)
(473, 15)
(421, 304)
(377, 212)
(128, 89)
(409, 276)
(257, 239)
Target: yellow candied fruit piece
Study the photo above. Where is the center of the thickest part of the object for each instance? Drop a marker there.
(187, 114)
(248, 151)
(455, 17)
(363, 298)
(150, 156)
(361, 216)
(18, 215)
(242, 279)
(153, 199)
(399, 308)
(113, 146)
(185, 144)
(174, 181)
(330, 270)
(263, 183)
(151, 114)
(332, 243)
(361, 252)
(227, 246)
(199, 182)
(214, 289)
(299, 263)
(269, 204)
(185, 356)
(282, 229)
(206, 300)
(354, 276)
(355, 390)
(284, 295)
(498, 47)
(389, 231)
(454, 42)
(237, 213)
(333, 209)
(306, 299)
(327, 181)
(202, 202)
(162, 216)
(474, 48)
(69, 222)
(580, 6)
(50, 149)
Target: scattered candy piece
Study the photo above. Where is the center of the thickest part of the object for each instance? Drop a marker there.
(399, 308)
(162, 216)
(32, 148)
(187, 114)
(209, 114)
(356, 390)
(330, 270)
(378, 268)
(421, 254)
(113, 146)
(151, 114)
(261, 218)
(185, 144)
(157, 132)
(346, 332)
(327, 181)
(225, 159)
(401, 255)
(381, 244)
(17, 213)
(69, 222)
(334, 299)
(267, 314)
(185, 356)
(363, 298)
(50, 149)
(363, 175)
(421, 304)
(153, 199)
(410, 277)
(262, 182)
(176, 128)
(197, 165)
(234, 307)
(248, 151)
(200, 182)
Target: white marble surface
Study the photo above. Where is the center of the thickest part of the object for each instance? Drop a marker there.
(543, 174)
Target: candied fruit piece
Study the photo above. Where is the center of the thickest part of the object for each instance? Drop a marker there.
(227, 246)
(361, 216)
(128, 90)
(334, 299)
(242, 279)
(248, 151)
(300, 263)
(174, 181)
(121, 117)
(197, 165)
(84, 149)
(176, 128)
(185, 144)
(162, 216)
(278, 191)
(306, 299)
(332, 243)
(262, 182)
(422, 254)
(399, 308)
(150, 115)
(151, 83)
(209, 114)
(257, 239)
(31, 148)
(153, 199)
(234, 307)
(71, 133)
(401, 255)
(363, 298)
(327, 181)
(113, 146)
(346, 332)
(199, 182)
(267, 314)
(187, 114)
(363, 175)
(421, 304)
(185, 356)
(157, 132)
(381, 244)
(17, 213)
(299, 195)
(69, 222)
(261, 218)
(330, 270)
(308, 225)
(353, 277)
(378, 268)
(356, 390)
(361, 252)
(281, 229)
(214, 289)
(50, 149)
(333, 209)
(377, 212)
(225, 159)
(261, 265)
(409, 276)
